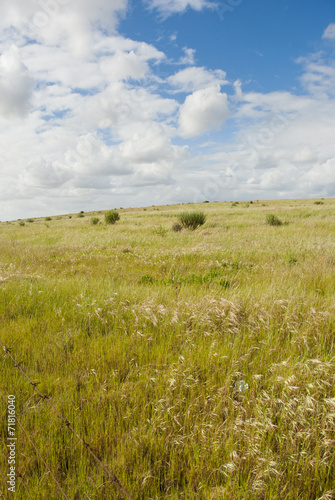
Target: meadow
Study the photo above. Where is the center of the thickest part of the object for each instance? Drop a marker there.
(196, 364)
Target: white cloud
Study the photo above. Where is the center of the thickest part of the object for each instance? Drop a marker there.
(16, 85)
(188, 58)
(329, 32)
(168, 7)
(318, 77)
(41, 173)
(204, 110)
(196, 78)
(60, 22)
(95, 121)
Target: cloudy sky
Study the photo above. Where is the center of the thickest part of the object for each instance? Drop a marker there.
(109, 103)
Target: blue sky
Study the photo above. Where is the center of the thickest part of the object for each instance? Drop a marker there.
(134, 103)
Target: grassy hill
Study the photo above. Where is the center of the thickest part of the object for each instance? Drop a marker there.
(196, 364)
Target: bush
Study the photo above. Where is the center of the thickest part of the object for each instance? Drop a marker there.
(111, 217)
(191, 220)
(273, 220)
(318, 203)
(94, 221)
(47, 218)
(30, 220)
(21, 223)
(176, 227)
(80, 215)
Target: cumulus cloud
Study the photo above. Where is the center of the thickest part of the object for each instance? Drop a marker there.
(60, 22)
(204, 110)
(42, 173)
(168, 7)
(329, 32)
(16, 85)
(188, 57)
(196, 78)
(99, 121)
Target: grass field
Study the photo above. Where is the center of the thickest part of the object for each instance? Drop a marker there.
(141, 337)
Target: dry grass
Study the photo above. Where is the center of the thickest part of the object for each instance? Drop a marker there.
(139, 334)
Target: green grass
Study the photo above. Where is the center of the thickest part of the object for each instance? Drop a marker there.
(140, 336)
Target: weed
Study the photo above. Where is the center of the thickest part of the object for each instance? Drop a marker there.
(272, 220)
(95, 221)
(160, 230)
(176, 227)
(192, 220)
(147, 279)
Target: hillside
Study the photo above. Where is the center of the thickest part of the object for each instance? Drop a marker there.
(196, 364)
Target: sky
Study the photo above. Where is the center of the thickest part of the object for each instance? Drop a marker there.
(129, 103)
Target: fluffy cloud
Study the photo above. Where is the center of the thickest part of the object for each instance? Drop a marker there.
(196, 78)
(60, 21)
(96, 120)
(167, 7)
(41, 173)
(329, 32)
(203, 110)
(16, 85)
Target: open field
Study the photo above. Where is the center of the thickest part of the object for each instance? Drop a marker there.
(140, 336)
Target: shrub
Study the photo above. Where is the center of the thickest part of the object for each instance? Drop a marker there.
(94, 221)
(30, 220)
(111, 216)
(273, 220)
(80, 215)
(318, 203)
(47, 218)
(21, 223)
(191, 220)
(176, 227)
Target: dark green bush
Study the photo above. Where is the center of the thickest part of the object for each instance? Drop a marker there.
(191, 220)
(94, 221)
(111, 217)
(273, 220)
(47, 218)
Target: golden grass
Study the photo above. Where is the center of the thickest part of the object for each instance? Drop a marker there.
(139, 333)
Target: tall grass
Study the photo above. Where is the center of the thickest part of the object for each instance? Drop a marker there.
(146, 370)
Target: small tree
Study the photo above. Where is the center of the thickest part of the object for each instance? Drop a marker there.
(191, 220)
(111, 216)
